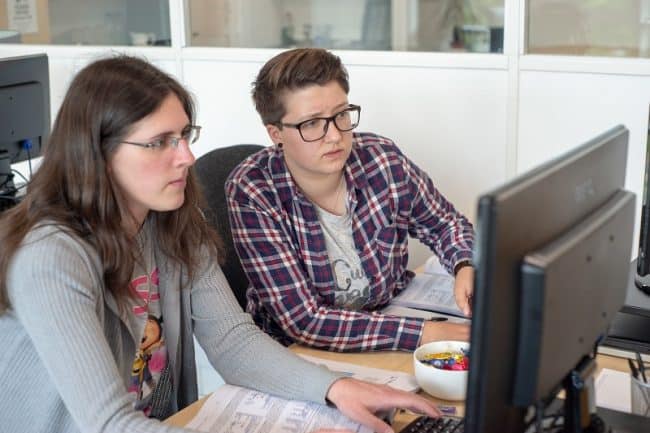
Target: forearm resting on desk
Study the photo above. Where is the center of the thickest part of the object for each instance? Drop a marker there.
(437, 331)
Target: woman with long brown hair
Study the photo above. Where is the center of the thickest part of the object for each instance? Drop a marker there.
(108, 270)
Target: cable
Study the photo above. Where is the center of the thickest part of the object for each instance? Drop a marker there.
(13, 170)
(22, 186)
(8, 178)
(29, 160)
(25, 145)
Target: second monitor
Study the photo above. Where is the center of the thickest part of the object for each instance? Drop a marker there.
(24, 115)
(554, 216)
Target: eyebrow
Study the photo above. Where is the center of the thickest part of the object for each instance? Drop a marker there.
(166, 133)
(320, 113)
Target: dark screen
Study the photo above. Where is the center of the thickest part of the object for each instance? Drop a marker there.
(24, 113)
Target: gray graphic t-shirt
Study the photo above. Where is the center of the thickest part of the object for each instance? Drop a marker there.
(351, 285)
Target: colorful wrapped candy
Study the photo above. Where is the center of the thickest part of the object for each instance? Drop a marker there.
(454, 360)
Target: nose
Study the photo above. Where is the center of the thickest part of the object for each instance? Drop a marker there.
(183, 154)
(332, 133)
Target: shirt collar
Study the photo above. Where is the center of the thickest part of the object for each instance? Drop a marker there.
(287, 188)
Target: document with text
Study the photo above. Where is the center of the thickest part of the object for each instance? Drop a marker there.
(396, 310)
(430, 292)
(396, 379)
(233, 409)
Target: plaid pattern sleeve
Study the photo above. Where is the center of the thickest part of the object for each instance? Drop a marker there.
(435, 222)
(280, 243)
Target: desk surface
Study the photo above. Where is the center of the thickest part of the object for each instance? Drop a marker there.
(397, 361)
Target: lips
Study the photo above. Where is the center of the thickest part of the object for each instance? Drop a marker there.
(178, 182)
(334, 152)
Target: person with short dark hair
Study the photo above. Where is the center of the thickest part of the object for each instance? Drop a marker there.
(321, 219)
(108, 270)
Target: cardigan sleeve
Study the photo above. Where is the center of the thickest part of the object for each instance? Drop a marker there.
(243, 354)
(54, 289)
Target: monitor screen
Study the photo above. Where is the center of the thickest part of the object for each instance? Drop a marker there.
(643, 257)
(514, 220)
(24, 113)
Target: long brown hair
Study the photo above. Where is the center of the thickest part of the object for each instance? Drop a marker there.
(72, 187)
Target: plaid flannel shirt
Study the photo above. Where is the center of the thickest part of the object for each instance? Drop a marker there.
(279, 239)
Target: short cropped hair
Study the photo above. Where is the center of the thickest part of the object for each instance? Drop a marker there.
(292, 70)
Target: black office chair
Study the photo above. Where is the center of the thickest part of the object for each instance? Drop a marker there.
(212, 170)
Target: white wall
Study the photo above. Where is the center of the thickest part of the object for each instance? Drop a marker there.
(470, 120)
(450, 119)
(452, 114)
(564, 102)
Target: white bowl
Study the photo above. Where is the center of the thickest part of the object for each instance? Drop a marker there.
(443, 384)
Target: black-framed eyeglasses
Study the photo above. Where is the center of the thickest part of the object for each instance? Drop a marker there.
(316, 128)
(190, 134)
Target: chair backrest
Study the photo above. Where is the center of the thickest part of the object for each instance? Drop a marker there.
(212, 170)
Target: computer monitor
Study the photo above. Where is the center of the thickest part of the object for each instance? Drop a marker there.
(570, 291)
(643, 256)
(24, 114)
(529, 214)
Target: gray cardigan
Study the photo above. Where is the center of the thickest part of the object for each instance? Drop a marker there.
(66, 352)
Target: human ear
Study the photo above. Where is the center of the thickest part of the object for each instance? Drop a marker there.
(275, 134)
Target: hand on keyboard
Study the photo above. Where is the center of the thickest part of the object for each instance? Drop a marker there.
(445, 424)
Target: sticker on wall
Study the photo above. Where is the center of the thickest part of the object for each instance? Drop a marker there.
(22, 16)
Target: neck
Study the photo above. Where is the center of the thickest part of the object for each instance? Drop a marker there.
(132, 224)
(327, 192)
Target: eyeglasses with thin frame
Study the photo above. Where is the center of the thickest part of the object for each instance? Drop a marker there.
(190, 134)
(316, 128)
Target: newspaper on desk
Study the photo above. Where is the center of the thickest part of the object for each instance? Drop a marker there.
(395, 379)
(429, 295)
(233, 409)
(429, 292)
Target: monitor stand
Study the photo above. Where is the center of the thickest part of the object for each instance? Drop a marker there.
(578, 407)
(579, 390)
(607, 421)
(574, 413)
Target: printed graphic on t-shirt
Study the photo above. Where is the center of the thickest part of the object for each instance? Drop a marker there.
(352, 289)
(140, 286)
(151, 356)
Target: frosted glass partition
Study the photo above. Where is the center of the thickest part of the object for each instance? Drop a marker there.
(88, 22)
(616, 28)
(399, 25)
